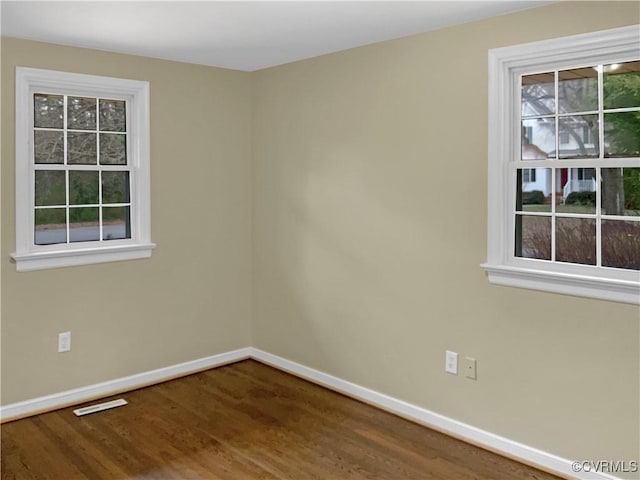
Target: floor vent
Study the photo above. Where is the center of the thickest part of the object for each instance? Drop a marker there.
(99, 407)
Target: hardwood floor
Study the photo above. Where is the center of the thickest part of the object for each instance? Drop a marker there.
(242, 421)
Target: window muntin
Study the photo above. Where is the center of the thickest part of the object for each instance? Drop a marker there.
(582, 148)
(82, 169)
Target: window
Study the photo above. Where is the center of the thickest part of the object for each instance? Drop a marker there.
(529, 175)
(588, 174)
(82, 169)
(568, 109)
(528, 133)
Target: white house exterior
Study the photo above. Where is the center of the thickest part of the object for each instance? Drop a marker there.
(575, 141)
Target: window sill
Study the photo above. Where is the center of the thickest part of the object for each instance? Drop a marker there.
(614, 290)
(26, 262)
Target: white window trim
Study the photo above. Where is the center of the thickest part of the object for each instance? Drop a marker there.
(505, 66)
(29, 256)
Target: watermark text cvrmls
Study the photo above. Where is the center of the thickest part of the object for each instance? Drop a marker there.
(606, 466)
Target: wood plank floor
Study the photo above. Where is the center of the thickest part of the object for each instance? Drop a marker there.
(242, 421)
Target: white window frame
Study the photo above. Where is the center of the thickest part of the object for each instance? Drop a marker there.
(29, 256)
(506, 65)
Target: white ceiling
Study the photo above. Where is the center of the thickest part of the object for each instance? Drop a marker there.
(238, 35)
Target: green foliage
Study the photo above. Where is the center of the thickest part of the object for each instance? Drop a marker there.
(581, 198)
(113, 214)
(115, 187)
(83, 187)
(80, 215)
(50, 216)
(622, 130)
(535, 197)
(621, 90)
(631, 179)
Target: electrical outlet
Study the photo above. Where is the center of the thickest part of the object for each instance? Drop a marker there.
(64, 342)
(451, 362)
(470, 368)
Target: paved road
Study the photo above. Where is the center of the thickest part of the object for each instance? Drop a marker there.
(79, 234)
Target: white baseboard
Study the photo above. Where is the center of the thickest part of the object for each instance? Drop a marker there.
(454, 428)
(496, 443)
(34, 406)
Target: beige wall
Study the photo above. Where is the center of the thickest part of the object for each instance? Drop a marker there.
(193, 297)
(370, 225)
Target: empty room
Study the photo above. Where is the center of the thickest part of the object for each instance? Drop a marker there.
(320, 240)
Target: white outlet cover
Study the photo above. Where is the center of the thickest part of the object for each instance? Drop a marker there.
(64, 342)
(470, 368)
(451, 362)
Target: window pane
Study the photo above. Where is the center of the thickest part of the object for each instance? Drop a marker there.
(113, 116)
(581, 131)
(533, 237)
(622, 134)
(48, 111)
(538, 94)
(115, 187)
(83, 188)
(621, 244)
(533, 190)
(113, 149)
(84, 224)
(621, 191)
(621, 84)
(578, 90)
(578, 190)
(576, 240)
(50, 226)
(116, 223)
(50, 188)
(81, 113)
(81, 148)
(48, 146)
(538, 138)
